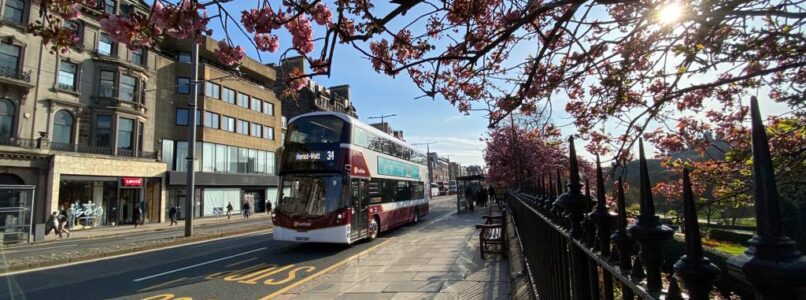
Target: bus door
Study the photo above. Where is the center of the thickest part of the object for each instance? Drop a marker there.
(359, 205)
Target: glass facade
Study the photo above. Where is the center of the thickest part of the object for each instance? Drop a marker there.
(218, 158)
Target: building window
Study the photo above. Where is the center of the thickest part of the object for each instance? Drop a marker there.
(14, 11)
(284, 121)
(256, 129)
(183, 57)
(63, 127)
(212, 90)
(257, 104)
(243, 100)
(227, 123)
(107, 84)
(221, 164)
(74, 26)
(137, 57)
(268, 132)
(268, 108)
(9, 60)
(125, 133)
(140, 129)
(105, 45)
(183, 85)
(67, 75)
(182, 116)
(126, 10)
(103, 130)
(109, 7)
(243, 127)
(211, 120)
(7, 112)
(228, 96)
(128, 86)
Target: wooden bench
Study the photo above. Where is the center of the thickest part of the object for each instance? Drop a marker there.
(492, 239)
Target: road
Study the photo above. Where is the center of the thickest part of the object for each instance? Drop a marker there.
(250, 266)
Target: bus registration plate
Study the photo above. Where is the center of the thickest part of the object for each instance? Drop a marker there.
(301, 238)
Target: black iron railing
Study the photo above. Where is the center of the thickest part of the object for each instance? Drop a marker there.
(576, 249)
(18, 142)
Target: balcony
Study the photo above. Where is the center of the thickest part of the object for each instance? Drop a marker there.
(15, 76)
(18, 142)
(109, 96)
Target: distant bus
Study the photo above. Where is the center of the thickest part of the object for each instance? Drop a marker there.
(343, 181)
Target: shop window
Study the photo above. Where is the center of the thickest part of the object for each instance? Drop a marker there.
(67, 75)
(105, 45)
(10, 60)
(243, 100)
(103, 130)
(183, 85)
(107, 84)
(14, 11)
(125, 133)
(63, 127)
(7, 113)
(128, 87)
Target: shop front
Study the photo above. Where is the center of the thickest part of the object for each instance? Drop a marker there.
(214, 192)
(94, 201)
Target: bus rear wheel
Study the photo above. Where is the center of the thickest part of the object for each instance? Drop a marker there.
(374, 228)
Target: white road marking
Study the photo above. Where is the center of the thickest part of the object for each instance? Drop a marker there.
(197, 265)
(43, 248)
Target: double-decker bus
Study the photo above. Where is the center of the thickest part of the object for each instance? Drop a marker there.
(342, 181)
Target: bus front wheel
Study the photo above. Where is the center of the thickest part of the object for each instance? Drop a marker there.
(374, 228)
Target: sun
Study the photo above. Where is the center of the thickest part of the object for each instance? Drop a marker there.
(670, 13)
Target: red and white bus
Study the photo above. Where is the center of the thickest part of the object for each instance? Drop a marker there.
(342, 181)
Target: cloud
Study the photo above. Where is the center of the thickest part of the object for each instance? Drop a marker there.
(465, 150)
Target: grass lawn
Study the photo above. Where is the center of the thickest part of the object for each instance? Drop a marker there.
(727, 248)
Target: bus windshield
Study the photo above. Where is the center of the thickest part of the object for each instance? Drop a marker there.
(316, 130)
(311, 196)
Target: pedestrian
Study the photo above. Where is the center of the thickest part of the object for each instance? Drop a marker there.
(268, 207)
(493, 196)
(52, 224)
(229, 210)
(172, 214)
(138, 213)
(246, 208)
(62, 222)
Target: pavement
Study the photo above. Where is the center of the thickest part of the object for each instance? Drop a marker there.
(437, 261)
(254, 266)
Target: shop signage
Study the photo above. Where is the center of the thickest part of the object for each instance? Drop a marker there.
(132, 181)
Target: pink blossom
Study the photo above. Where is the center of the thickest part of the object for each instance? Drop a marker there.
(228, 55)
(322, 14)
(297, 80)
(265, 42)
(262, 20)
(73, 12)
(301, 33)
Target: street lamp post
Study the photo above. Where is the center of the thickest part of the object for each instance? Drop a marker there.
(428, 161)
(191, 174)
(382, 116)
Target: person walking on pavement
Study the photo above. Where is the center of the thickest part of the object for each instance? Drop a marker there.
(229, 210)
(52, 224)
(172, 214)
(138, 213)
(268, 207)
(483, 197)
(62, 221)
(246, 208)
(493, 196)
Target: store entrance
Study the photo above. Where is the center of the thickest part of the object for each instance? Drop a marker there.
(127, 202)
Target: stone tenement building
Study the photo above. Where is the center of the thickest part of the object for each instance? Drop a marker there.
(312, 97)
(100, 130)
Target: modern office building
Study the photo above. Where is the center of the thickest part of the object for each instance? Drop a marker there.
(440, 171)
(239, 123)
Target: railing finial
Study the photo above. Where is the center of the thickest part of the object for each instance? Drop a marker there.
(771, 256)
(647, 204)
(600, 216)
(623, 242)
(696, 272)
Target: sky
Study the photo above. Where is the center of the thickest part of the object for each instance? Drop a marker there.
(455, 136)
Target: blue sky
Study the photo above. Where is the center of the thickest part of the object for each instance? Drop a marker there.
(422, 120)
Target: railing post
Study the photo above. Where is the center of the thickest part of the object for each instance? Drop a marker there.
(622, 240)
(648, 231)
(772, 263)
(573, 204)
(696, 271)
(602, 218)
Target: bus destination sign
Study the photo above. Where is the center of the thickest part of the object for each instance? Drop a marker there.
(322, 155)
